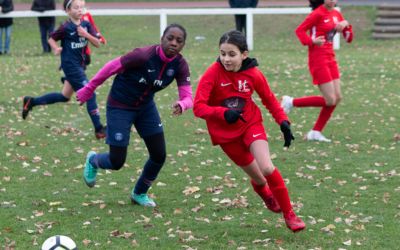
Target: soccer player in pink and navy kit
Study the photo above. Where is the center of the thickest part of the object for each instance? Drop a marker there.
(322, 23)
(139, 75)
(74, 35)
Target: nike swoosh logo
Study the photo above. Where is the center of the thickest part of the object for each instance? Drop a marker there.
(73, 33)
(151, 70)
(225, 84)
(326, 20)
(160, 124)
(256, 135)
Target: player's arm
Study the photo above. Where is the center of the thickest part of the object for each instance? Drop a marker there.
(110, 68)
(185, 101)
(304, 27)
(54, 46)
(203, 94)
(91, 38)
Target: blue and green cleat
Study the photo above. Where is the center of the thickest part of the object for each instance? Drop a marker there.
(142, 200)
(89, 172)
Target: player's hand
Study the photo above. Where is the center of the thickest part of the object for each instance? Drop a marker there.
(176, 109)
(57, 51)
(84, 94)
(232, 115)
(82, 31)
(103, 40)
(319, 41)
(341, 25)
(287, 133)
(348, 33)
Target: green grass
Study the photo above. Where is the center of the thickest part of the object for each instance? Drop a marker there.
(350, 186)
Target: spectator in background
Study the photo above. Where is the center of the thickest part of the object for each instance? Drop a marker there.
(46, 23)
(240, 20)
(5, 26)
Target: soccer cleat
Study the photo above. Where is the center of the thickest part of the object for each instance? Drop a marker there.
(272, 204)
(26, 106)
(143, 200)
(287, 103)
(89, 172)
(293, 222)
(101, 133)
(314, 135)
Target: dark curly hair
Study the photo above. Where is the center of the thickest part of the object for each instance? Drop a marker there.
(315, 3)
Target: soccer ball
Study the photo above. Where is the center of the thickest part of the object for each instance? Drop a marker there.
(59, 242)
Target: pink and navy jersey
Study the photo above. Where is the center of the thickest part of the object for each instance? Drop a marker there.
(144, 73)
(73, 45)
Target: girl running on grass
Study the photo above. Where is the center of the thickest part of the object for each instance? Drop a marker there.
(74, 35)
(139, 75)
(323, 23)
(234, 121)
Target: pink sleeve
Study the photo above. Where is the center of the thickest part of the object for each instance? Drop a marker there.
(185, 97)
(111, 68)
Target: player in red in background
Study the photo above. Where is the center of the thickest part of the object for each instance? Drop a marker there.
(234, 121)
(88, 17)
(322, 23)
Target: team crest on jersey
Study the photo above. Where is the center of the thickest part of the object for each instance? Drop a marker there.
(170, 72)
(243, 87)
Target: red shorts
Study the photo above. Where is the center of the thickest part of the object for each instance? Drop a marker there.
(325, 72)
(239, 150)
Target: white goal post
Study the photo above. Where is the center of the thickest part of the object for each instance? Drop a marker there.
(163, 14)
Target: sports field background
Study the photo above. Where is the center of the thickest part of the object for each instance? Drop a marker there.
(346, 191)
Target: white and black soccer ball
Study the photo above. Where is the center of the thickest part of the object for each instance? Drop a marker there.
(59, 242)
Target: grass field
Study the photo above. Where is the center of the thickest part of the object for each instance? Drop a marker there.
(347, 192)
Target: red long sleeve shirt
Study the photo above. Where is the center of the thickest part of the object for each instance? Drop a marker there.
(217, 85)
(320, 22)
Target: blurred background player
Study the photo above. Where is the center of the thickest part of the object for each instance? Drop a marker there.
(74, 35)
(322, 23)
(46, 23)
(139, 75)
(234, 121)
(6, 26)
(88, 17)
(240, 19)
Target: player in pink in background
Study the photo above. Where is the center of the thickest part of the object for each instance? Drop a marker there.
(234, 121)
(322, 24)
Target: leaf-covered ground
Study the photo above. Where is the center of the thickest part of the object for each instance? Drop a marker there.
(347, 191)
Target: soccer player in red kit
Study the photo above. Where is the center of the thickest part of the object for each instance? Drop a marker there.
(88, 17)
(234, 121)
(322, 23)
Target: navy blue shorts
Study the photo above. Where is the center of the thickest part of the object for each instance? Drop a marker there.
(77, 79)
(146, 120)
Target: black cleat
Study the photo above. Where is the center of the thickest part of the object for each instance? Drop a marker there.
(27, 106)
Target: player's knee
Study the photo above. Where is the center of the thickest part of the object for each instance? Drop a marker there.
(159, 157)
(117, 162)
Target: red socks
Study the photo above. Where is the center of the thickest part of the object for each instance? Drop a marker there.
(309, 101)
(279, 190)
(323, 117)
(316, 101)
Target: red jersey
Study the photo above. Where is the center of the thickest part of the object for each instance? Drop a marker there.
(219, 90)
(320, 22)
(88, 17)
